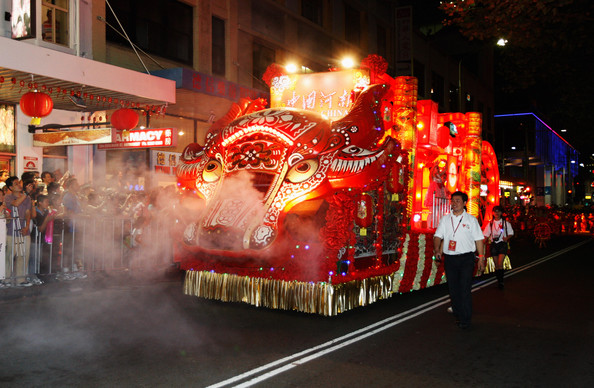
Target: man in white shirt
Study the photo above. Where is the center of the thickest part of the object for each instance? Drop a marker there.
(457, 238)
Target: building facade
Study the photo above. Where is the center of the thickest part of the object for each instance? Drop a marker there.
(182, 63)
(538, 163)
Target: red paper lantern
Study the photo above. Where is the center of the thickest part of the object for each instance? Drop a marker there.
(443, 136)
(396, 181)
(364, 211)
(124, 118)
(37, 105)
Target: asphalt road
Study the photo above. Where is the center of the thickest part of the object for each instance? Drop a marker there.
(139, 331)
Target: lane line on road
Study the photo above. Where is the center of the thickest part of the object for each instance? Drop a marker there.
(300, 358)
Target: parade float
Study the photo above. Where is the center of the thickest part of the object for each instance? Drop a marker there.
(328, 199)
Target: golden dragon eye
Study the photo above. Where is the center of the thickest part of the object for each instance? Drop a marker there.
(212, 172)
(302, 171)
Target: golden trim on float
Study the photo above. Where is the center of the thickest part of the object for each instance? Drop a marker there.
(316, 298)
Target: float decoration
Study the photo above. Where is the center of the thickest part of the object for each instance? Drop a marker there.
(321, 215)
(273, 71)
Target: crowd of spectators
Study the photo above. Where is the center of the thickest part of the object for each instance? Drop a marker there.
(57, 199)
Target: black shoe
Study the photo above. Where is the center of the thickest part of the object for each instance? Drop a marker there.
(464, 326)
(500, 286)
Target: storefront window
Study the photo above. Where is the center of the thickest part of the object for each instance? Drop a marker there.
(54, 27)
(7, 128)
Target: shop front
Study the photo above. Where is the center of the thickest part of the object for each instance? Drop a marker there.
(83, 95)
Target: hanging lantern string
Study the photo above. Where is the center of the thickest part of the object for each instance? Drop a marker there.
(96, 99)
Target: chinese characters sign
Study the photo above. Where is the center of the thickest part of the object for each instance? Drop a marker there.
(143, 138)
(163, 162)
(329, 94)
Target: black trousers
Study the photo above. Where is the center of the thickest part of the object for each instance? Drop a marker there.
(459, 269)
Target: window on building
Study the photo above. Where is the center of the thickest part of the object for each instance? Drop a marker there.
(312, 11)
(419, 73)
(54, 27)
(352, 25)
(437, 89)
(218, 46)
(161, 27)
(7, 127)
(262, 58)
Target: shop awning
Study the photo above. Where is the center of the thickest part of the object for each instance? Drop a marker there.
(76, 83)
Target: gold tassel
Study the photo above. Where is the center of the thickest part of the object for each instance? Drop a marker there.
(316, 298)
(507, 263)
(490, 267)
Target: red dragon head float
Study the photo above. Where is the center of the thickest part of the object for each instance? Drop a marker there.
(266, 176)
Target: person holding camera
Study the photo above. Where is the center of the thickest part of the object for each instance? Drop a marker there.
(18, 240)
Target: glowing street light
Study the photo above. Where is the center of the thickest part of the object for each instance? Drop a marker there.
(501, 42)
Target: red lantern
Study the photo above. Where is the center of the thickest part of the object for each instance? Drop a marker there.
(443, 136)
(37, 105)
(396, 181)
(364, 216)
(124, 118)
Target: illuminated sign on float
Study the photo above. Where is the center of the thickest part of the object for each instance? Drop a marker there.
(329, 94)
(143, 138)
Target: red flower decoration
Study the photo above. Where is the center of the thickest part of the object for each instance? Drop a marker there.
(272, 72)
(376, 64)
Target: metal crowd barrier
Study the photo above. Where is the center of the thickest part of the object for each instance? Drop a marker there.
(88, 244)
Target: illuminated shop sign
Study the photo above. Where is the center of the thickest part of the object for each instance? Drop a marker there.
(143, 138)
(163, 162)
(329, 94)
(62, 138)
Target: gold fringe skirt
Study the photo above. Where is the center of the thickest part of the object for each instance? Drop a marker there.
(317, 298)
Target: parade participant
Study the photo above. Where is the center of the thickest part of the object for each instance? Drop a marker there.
(497, 232)
(18, 241)
(457, 238)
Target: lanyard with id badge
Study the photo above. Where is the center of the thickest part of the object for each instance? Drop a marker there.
(452, 244)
